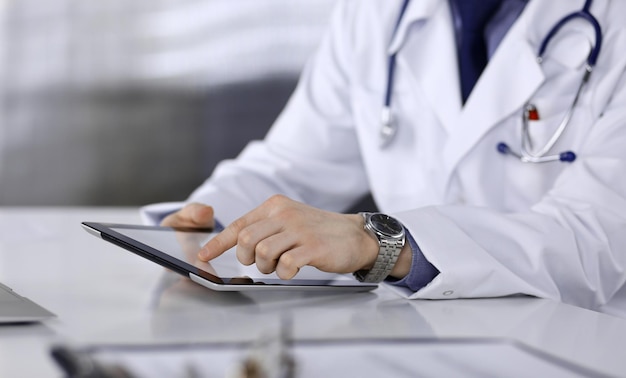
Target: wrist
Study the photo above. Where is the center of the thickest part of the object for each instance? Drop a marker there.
(403, 265)
(369, 246)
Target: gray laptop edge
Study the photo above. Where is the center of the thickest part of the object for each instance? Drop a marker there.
(15, 308)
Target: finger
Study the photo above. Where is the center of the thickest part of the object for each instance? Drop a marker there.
(227, 239)
(192, 215)
(253, 244)
(229, 236)
(290, 262)
(268, 251)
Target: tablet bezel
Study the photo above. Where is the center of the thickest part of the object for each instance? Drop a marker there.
(106, 231)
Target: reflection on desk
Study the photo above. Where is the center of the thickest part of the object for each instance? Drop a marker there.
(104, 295)
(181, 308)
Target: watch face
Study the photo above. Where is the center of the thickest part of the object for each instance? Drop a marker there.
(386, 225)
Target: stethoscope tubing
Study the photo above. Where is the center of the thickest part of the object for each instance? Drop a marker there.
(586, 15)
(389, 125)
(541, 156)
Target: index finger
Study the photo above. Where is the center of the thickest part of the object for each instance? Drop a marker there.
(227, 239)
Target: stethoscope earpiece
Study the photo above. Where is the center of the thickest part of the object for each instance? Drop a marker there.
(565, 157)
(504, 149)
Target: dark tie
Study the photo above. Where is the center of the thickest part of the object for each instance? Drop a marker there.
(474, 15)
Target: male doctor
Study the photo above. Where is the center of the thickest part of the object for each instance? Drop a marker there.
(458, 219)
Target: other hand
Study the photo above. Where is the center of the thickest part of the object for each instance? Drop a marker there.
(194, 215)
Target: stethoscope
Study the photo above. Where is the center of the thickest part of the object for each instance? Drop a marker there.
(527, 154)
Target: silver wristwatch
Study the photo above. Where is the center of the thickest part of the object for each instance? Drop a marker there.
(391, 238)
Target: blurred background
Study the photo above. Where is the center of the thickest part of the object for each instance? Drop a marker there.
(129, 102)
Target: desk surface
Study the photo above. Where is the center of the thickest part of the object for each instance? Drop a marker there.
(103, 294)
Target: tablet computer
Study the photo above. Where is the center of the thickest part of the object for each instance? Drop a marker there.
(177, 248)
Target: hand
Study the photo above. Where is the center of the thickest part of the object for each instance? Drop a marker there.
(194, 215)
(283, 235)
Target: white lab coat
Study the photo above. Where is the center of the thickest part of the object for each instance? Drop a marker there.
(492, 225)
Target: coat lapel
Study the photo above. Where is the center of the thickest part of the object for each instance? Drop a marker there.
(427, 51)
(508, 82)
(506, 85)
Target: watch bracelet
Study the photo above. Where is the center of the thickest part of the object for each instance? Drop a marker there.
(385, 261)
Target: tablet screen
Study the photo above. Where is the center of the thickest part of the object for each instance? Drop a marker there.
(177, 249)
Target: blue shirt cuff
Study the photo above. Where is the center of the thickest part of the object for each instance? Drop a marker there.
(421, 272)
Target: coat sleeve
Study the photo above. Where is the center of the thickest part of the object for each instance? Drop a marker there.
(311, 153)
(570, 246)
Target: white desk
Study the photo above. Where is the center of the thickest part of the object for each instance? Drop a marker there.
(103, 294)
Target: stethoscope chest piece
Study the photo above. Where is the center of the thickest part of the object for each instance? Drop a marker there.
(388, 127)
